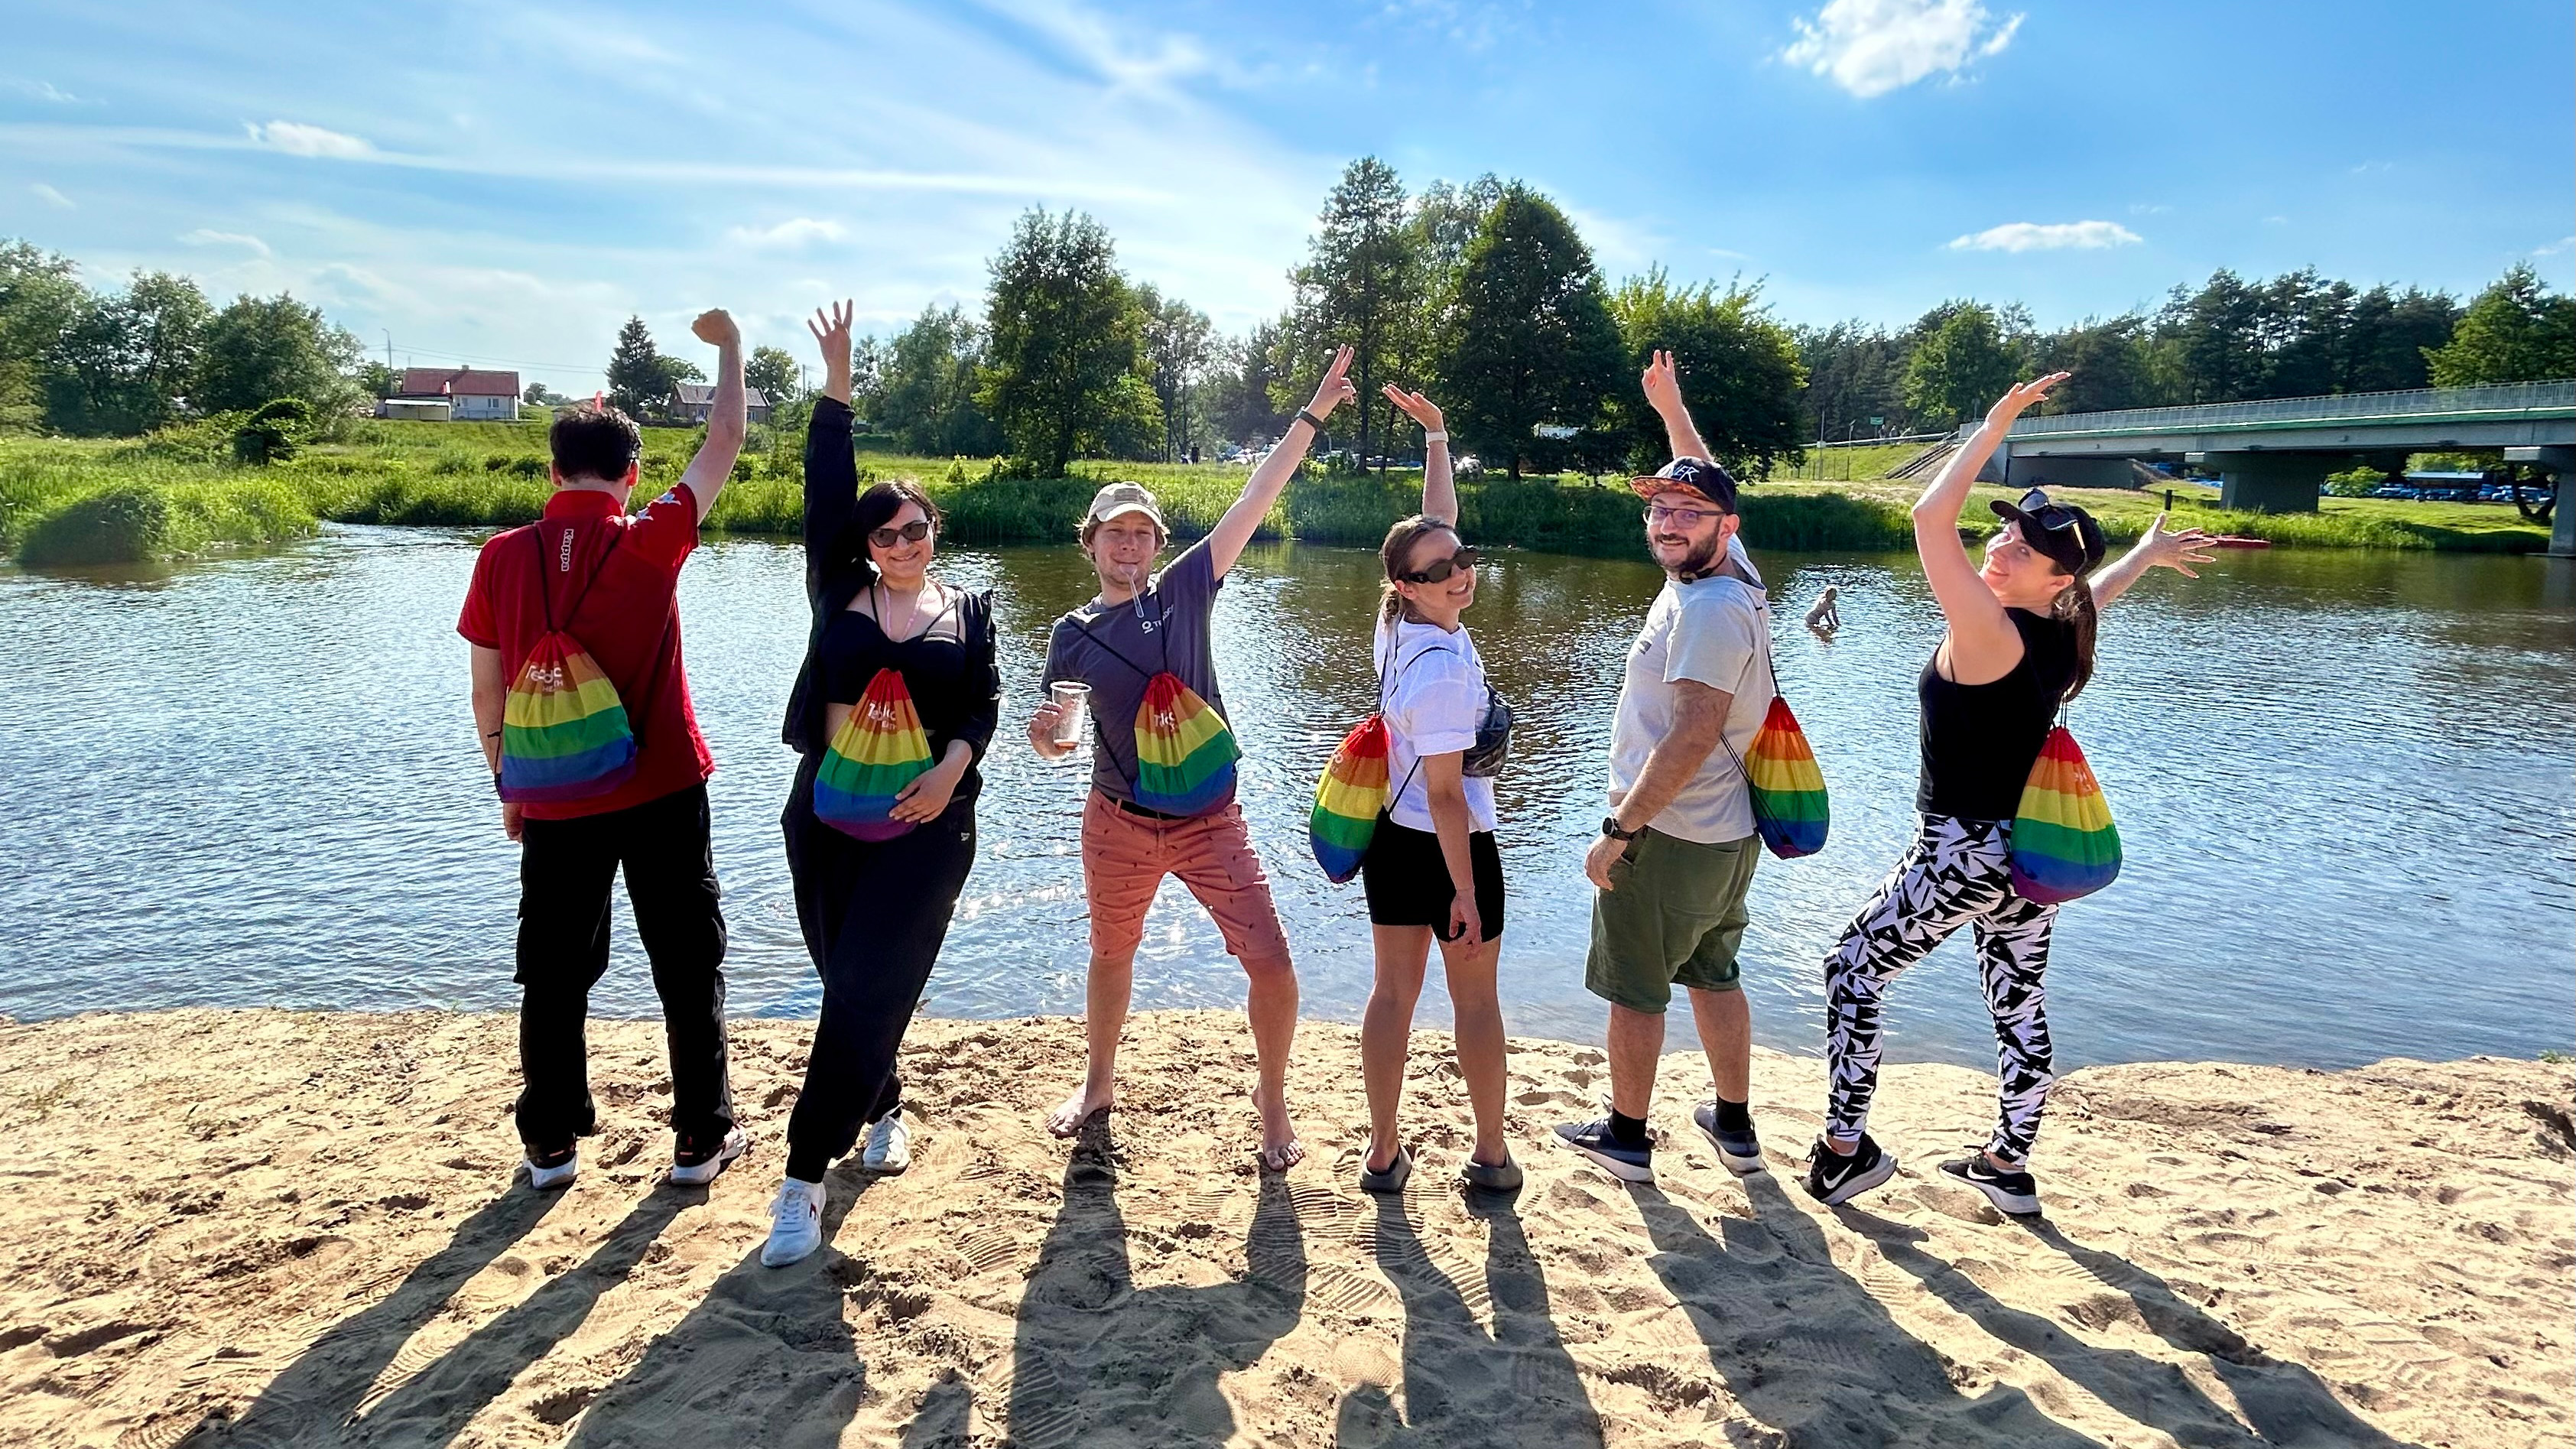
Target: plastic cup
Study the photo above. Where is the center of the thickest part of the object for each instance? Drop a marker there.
(1073, 710)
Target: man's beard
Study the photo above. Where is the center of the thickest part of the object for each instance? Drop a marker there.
(1700, 562)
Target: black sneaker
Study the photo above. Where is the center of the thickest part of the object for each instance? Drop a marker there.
(1834, 1178)
(1741, 1152)
(1593, 1140)
(2011, 1192)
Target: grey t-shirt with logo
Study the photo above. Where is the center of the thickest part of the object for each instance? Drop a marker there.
(1712, 631)
(1118, 648)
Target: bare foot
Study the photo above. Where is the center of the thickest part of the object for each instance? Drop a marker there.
(1280, 1149)
(1080, 1110)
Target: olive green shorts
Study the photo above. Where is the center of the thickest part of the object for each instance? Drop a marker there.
(1675, 914)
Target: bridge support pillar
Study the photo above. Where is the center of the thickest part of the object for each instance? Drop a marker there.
(2561, 463)
(2269, 482)
(2023, 472)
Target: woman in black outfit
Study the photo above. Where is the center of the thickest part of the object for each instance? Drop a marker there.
(874, 912)
(2019, 645)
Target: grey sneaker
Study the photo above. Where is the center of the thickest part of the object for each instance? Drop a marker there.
(1740, 1152)
(1593, 1140)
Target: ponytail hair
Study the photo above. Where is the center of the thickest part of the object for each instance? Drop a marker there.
(1393, 554)
(2075, 605)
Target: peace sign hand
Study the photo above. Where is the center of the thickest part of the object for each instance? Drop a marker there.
(1663, 384)
(1336, 388)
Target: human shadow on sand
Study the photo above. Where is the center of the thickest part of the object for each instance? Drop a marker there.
(1805, 1349)
(311, 1400)
(2285, 1403)
(767, 1357)
(1462, 1384)
(1098, 1361)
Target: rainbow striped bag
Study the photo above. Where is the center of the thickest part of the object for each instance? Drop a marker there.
(2063, 842)
(1184, 753)
(1349, 800)
(564, 731)
(877, 751)
(1786, 789)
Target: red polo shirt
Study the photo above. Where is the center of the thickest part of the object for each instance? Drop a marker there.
(629, 620)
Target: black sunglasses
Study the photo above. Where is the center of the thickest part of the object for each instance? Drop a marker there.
(1441, 568)
(2055, 517)
(913, 532)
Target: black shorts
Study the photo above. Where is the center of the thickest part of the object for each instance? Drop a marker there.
(1407, 879)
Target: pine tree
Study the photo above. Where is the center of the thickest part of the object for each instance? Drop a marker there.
(636, 378)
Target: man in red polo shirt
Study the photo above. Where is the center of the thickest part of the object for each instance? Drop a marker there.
(610, 579)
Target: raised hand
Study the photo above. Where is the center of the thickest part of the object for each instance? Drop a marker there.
(2020, 396)
(2176, 551)
(1336, 388)
(715, 327)
(1663, 384)
(832, 332)
(1417, 407)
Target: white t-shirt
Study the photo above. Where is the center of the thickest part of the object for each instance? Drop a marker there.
(1435, 702)
(1711, 631)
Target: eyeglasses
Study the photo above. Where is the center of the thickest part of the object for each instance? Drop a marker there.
(1440, 569)
(2055, 517)
(913, 532)
(1679, 517)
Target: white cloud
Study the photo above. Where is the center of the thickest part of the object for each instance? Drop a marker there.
(2148, 208)
(2564, 243)
(202, 237)
(43, 91)
(2034, 236)
(297, 139)
(801, 231)
(1871, 47)
(51, 197)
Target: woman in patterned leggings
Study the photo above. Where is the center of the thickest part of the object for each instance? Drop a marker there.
(2020, 644)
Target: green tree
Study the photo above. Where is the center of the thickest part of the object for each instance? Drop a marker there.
(1960, 365)
(1853, 374)
(2110, 364)
(1739, 369)
(2516, 331)
(1528, 337)
(40, 297)
(636, 381)
(2389, 333)
(772, 370)
(1061, 338)
(126, 361)
(1360, 287)
(926, 387)
(1178, 350)
(1239, 402)
(261, 349)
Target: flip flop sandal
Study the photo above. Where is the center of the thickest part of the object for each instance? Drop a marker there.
(1391, 1180)
(1503, 1177)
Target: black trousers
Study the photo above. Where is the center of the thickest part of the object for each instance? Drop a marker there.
(566, 870)
(874, 915)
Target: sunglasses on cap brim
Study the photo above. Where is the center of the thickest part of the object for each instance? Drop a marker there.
(1439, 569)
(913, 532)
(2055, 517)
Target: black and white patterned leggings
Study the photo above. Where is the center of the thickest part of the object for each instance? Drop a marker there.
(1959, 873)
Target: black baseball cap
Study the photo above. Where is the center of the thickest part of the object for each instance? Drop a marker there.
(2064, 532)
(1690, 475)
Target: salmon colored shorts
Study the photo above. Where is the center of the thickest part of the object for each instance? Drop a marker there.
(1126, 856)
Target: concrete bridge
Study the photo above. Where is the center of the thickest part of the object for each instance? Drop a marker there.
(2272, 455)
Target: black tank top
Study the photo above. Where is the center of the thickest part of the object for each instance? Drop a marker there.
(1980, 740)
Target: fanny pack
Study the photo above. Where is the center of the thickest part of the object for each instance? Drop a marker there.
(2063, 842)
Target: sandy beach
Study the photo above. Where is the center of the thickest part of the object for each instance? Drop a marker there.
(272, 1228)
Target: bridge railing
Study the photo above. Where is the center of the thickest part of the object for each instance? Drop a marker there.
(2496, 399)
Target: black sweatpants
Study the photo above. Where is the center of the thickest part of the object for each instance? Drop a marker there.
(874, 915)
(566, 870)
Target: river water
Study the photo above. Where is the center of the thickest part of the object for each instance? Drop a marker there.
(2343, 780)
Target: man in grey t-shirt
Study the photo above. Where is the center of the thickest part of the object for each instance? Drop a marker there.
(1139, 625)
(1677, 851)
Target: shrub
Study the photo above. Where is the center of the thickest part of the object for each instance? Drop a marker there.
(273, 433)
(122, 523)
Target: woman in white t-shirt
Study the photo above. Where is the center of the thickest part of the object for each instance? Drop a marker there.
(1432, 870)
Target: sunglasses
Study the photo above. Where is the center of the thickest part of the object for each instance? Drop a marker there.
(913, 532)
(1440, 569)
(2055, 517)
(1657, 513)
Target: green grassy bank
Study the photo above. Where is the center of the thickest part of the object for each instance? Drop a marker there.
(77, 502)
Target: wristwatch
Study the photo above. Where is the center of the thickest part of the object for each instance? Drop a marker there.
(1610, 827)
(1308, 417)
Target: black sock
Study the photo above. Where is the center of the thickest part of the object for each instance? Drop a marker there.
(1627, 1131)
(1734, 1116)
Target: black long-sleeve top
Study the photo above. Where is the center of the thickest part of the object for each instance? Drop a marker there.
(955, 684)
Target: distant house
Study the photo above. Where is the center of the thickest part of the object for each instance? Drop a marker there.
(693, 400)
(472, 395)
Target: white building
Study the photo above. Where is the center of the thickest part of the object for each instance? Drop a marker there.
(472, 395)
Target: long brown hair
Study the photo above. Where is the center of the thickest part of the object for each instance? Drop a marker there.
(1394, 553)
(2075, 605)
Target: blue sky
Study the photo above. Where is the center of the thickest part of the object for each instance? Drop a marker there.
(503, 185)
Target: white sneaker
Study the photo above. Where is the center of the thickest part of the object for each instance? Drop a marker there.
(795, 1224)
(698, 1174)
(547, 1179)
(889, 1147)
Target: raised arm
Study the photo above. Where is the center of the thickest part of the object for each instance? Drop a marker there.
(1663, 386)
(1233, 532)
(831, 472)
(1983, 643)
(1439, 489)
(2154, 549)
(707, 472)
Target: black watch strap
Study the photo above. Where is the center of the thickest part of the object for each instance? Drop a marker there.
(1310, 420)
(1610, 828)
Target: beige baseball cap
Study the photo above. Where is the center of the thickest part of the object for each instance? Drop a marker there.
(1116, 498)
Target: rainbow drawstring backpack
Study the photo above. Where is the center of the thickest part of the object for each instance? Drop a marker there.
(564, 731)
(1348, 800)
(1184, 753)
(1786, 789)
(877, 751)
(2063, 842)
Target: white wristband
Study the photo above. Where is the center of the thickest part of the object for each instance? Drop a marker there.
(1429, 438)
